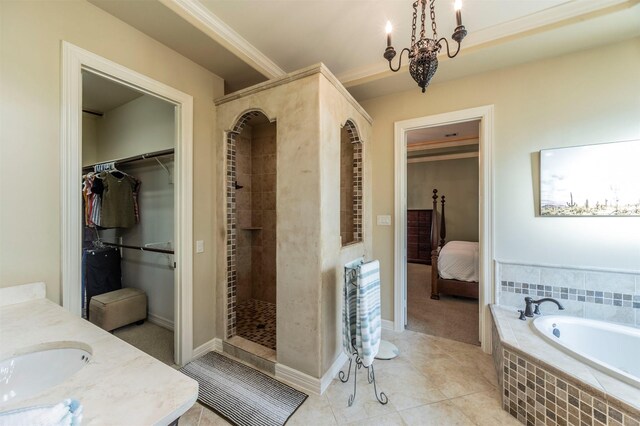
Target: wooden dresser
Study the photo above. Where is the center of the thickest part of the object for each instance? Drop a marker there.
(418, 236)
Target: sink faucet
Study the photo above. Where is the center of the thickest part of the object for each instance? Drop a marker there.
(533, 306)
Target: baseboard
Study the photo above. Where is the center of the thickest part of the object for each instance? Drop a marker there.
(308, 383)
(332, 372)
(161, 321)
(214, 344)
(388, 325)
(298, 378)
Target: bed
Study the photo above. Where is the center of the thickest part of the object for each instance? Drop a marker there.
(454, 265)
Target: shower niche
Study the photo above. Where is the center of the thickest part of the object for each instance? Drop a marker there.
(295, 208)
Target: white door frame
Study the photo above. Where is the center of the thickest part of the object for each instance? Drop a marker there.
(74, 61)
(487, 285)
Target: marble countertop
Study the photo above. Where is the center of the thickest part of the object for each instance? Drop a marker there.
(120, 384)
(520, 335)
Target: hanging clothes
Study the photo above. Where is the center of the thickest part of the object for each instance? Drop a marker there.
(119, 199)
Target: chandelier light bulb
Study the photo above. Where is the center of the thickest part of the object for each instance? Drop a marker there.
(457, 5)
(388, 29)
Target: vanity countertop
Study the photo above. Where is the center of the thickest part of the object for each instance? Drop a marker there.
(120, 385)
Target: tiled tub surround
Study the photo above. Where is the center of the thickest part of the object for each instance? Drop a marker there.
(600, 295)
(142, 389)
(541, 385)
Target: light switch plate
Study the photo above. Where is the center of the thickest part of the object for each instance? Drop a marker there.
(200, 246)
(384, 220)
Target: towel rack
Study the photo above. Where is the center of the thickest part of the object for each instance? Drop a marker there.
(351, 272)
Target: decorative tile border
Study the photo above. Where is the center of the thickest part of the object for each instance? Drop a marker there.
(354, 137)
(566, 293)
(537, 396)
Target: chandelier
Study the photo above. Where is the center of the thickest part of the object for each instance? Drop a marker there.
(423, 53)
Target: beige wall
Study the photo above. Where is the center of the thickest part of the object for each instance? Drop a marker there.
(31, 33)
(89, 138)
(335, 110)
(457, 180)
(582, 98)
(145, 124)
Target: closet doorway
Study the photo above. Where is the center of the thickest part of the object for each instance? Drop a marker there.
(442, 169)
(124, 130)
(128, 143)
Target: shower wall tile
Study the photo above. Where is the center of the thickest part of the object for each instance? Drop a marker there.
(269, 162)
(264, 208)
(268, 182)
(602, 295)
(256, 164)
(269, 200)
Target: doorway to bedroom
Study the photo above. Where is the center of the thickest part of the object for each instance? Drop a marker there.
(484, 290)
(443, 215)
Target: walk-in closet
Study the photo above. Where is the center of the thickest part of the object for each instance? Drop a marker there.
(128, 257)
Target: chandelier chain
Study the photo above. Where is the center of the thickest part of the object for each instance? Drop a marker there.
(433, 20)
(424, 5)
(413, 25)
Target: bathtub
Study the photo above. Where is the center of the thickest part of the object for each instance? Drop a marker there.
(613, 349)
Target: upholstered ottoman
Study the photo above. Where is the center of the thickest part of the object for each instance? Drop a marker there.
(118, 308)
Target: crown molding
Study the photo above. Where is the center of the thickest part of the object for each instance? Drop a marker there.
(561, 15)
(204, 19)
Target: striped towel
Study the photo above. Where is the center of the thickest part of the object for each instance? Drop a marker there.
(349, 293)
(368, 322)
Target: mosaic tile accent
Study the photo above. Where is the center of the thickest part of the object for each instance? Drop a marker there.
(358, 176)
(537, 396)
(566, 293)
(256, 321)
(231, 177)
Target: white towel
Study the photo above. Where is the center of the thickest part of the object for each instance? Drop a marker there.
(66, 413)
(368, 323)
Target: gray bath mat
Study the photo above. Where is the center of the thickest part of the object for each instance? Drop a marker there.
(240, 394)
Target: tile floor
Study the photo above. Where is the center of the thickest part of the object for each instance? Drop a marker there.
(256, 321)
(434, 381)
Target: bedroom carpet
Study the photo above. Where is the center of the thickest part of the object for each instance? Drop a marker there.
(454, 318)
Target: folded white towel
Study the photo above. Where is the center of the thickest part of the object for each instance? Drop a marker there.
(66, 413)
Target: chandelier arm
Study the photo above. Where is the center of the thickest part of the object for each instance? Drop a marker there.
(446, 42)
(399, 60)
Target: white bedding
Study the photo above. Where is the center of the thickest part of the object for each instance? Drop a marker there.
(458, 260)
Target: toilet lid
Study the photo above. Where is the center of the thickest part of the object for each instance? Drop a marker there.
(387, 350)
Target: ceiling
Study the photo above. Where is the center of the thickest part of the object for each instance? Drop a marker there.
(448, 142)
(248, 41)
(100, 95)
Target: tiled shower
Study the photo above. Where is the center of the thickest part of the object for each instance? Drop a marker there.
(254, 184)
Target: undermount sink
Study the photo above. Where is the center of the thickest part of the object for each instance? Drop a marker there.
(39, 368)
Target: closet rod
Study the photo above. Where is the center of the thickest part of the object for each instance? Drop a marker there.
(139, 248)
(153, 154)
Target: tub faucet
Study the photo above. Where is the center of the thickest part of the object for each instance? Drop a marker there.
(533, 306)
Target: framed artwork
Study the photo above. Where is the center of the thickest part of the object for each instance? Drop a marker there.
(591, 180)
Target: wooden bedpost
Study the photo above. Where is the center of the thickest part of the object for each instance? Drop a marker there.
(434, 247)
(443, 228)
